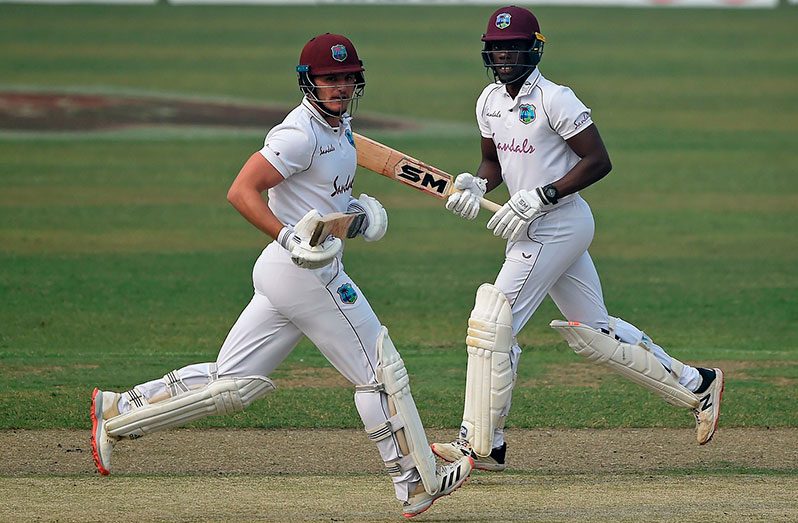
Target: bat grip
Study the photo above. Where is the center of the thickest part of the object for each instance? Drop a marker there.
(489, 205)
(484, 203)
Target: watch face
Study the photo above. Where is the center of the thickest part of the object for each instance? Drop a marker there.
(551, 192)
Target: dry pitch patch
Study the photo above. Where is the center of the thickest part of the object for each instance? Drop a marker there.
(74, 112)
(335, 475)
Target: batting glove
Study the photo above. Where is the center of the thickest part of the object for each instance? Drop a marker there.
(514, 216)
(465, 202)
(376, 223)
(296, 240)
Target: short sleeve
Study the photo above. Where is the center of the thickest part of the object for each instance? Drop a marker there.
(289, 149)
(482, 120)
(567, 114)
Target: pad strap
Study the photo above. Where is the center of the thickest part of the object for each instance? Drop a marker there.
(385, 430)
(135, 399)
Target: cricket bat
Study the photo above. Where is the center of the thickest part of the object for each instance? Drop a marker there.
(398, 166)
(339, 224)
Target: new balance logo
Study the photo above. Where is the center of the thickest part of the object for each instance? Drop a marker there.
(705, 402)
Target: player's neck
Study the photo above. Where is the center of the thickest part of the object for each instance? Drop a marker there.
(334, 121)
(514, 87)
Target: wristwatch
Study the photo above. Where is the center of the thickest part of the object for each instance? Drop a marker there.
(549, 194)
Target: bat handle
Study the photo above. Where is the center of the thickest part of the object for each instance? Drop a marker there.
(489, 205)
(485, 204)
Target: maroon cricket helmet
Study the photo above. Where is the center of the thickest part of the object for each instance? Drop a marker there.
(511, 23)
(329, 54)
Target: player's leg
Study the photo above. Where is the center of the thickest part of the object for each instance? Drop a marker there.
(531, 267)
(342, 324)
(258, 341)
(629, 351)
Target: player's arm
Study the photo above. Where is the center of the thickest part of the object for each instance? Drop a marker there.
(489, 168)
(245, 194)
(258, 175)
(594, 164)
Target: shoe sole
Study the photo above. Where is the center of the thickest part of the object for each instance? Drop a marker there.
(486, 467)
(96, 414)
(717, 405)
(414, 514)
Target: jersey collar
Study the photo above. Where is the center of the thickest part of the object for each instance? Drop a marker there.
(529, 84)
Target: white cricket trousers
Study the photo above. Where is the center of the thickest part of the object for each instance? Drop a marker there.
(323, 304)
(552, 258)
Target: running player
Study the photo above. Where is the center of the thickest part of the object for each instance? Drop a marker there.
(307, 167)
(540, 139)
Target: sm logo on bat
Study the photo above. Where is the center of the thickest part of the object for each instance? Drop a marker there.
(417, 175)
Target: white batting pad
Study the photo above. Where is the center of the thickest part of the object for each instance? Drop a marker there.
(405, 421)
(221, 396)
(634, 362)
(489, 376)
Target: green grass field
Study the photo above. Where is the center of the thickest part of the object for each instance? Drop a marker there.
(120, 258)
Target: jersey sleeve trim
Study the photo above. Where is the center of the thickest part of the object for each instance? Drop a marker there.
(275, 160)
(587, 123)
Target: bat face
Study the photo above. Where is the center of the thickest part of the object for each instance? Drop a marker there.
(423, 177)
(389, 162)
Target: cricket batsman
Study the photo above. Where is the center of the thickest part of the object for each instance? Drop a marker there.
(541, 140)
(306, 168)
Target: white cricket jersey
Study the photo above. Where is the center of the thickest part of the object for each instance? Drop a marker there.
(317, 161)
(530, 130)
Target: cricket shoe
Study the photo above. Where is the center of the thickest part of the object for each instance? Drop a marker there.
(461, 447)
(449, 477)
(103, 406)
(708, 411)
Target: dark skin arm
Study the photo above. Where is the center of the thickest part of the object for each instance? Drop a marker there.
(594, 164)
(489, 167)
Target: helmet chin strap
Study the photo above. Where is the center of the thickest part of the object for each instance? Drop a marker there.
(318, 104)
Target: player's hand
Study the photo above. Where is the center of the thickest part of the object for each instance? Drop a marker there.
(376, 223)
(465, 203)
(514, 216)
(296, 240)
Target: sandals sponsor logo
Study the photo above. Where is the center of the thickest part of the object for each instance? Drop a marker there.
(519, 148)
(341, 189)
(581, 119)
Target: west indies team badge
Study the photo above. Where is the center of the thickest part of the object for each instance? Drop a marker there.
(503, 20)
(526, 113)
(338, 52)
(347, 293)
